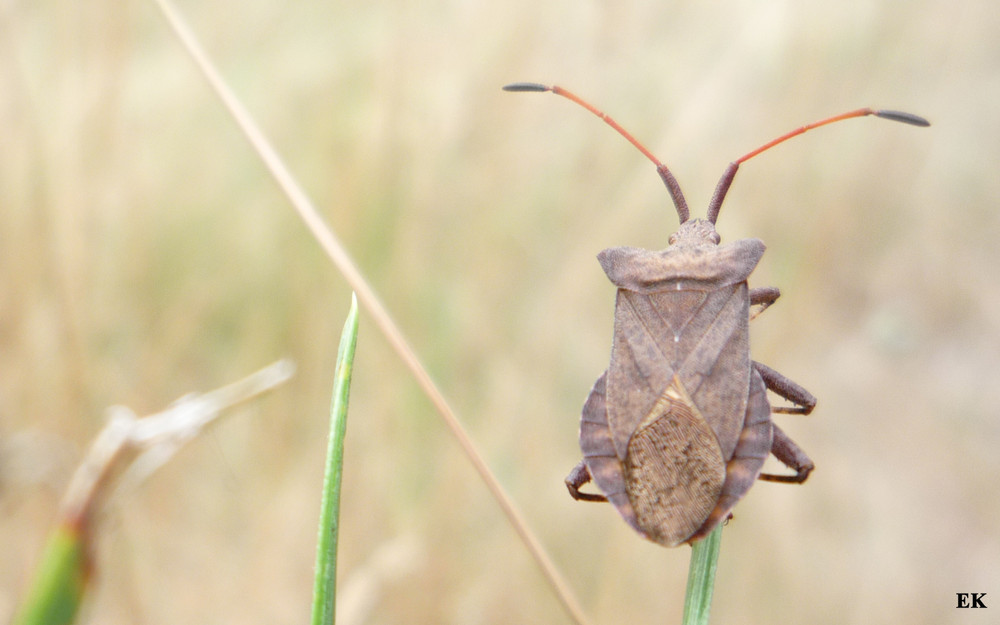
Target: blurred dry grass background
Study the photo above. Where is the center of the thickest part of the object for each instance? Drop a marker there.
(145, 254)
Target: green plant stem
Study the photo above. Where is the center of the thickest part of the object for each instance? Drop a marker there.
(325, 585)
(59, 585)
(701, 578)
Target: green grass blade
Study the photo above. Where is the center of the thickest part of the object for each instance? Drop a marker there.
(59, 584)
(325, 585)
(701, 578)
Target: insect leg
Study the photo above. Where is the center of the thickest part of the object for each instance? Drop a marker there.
(780, 385)
(792, 456)
(579, 476)
(763, 296)
(600, 462)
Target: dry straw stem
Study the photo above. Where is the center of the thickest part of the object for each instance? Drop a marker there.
(126, 451)
(336, 252)
(154, 439)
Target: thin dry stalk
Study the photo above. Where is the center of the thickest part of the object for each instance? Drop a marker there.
(129, 448)
(369, 300)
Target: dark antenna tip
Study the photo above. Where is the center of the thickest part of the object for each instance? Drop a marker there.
(900, 116)
(526, 86)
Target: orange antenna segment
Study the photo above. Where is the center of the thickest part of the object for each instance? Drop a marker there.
(727, 178)
(668, 178)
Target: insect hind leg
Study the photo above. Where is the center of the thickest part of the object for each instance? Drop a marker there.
(752, 449)
(792, 456)
(600, 462)
(579, 476)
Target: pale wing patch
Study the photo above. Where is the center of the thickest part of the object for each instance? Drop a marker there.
(674, 470)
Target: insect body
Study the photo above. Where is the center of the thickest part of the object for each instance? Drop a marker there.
(677, 429)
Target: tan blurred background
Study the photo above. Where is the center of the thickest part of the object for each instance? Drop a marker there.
(145, 254)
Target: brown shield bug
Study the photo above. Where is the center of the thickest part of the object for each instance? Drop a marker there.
(677, 429)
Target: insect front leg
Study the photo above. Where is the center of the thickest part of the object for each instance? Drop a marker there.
(780, 385)
(763, 296)
(792, 456)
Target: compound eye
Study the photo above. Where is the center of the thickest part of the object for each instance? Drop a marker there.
(672, 239)
(716, 238)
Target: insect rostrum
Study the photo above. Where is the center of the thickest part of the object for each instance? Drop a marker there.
(677, 428)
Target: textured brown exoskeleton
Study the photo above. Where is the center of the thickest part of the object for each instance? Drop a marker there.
(677, 429)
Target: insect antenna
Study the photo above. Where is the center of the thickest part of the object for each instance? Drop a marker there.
(668, 178)
(727, 178)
